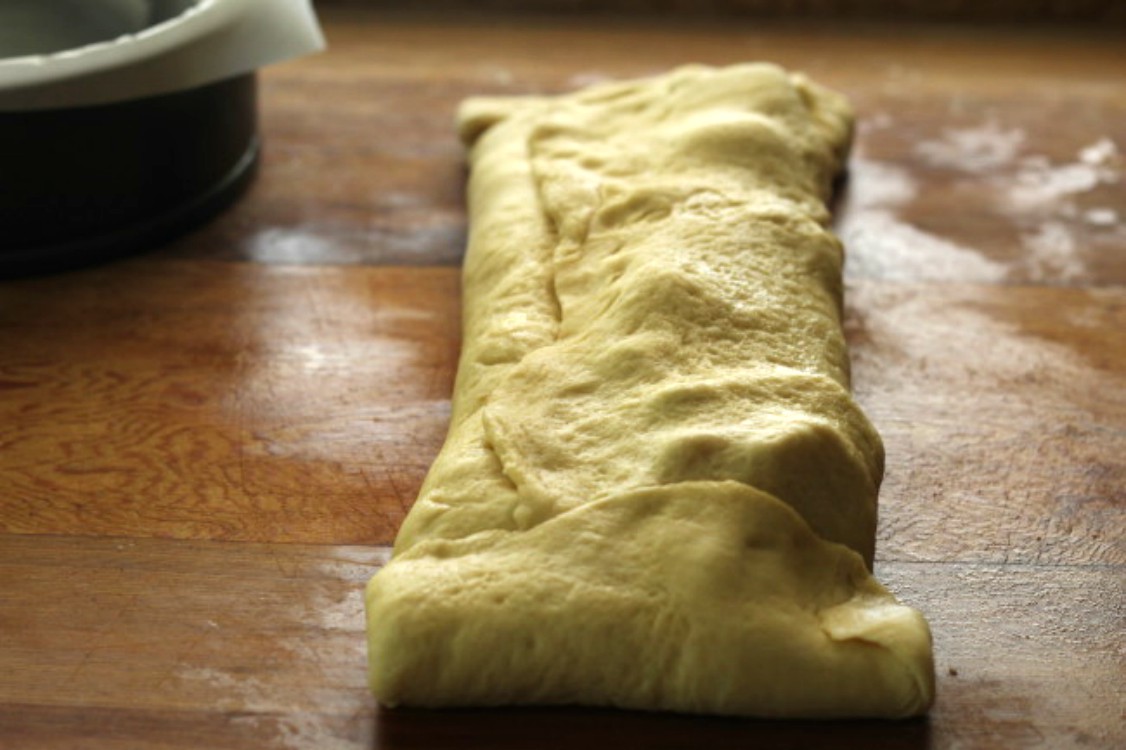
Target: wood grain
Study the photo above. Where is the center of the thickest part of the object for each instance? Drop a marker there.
(212, 401)
(1004, 426)
(206, 644)
(204, 451)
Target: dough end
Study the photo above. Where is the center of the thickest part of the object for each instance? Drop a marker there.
(699, 597)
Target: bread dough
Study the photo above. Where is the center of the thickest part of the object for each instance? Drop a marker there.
(656, 491)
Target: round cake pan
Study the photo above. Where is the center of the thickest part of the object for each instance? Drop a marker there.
(86, 184)
(81, 184)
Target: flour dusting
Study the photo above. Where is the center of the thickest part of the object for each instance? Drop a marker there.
(975, 149)
(1053, 253)
(882, 245)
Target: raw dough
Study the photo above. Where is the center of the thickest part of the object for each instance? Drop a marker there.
(656, 491)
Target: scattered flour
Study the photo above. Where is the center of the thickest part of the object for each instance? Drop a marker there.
(884, 246)
(1040, 196)
(977, 149)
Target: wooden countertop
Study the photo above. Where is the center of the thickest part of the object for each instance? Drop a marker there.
(205, 450)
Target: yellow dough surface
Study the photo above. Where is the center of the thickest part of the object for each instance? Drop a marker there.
(657, 491)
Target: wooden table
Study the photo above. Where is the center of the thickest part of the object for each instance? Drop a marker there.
(205, 451)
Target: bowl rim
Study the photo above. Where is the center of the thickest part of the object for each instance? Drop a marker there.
(193, 23)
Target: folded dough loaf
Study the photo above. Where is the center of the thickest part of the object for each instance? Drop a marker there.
(656, 491)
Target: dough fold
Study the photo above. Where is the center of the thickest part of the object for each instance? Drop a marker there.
(656, 491)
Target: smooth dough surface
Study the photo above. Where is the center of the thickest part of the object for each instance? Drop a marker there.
(657, 491)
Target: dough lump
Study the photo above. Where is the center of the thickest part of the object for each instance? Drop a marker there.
(657, 491)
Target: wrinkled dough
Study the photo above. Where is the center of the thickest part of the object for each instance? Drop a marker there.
(657, 491)
(652, 599)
